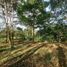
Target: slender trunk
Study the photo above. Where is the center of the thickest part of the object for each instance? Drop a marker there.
(12, 32)
(12, 38)
(33, 33)
(7, 12)
(8, 26)
(6, 32)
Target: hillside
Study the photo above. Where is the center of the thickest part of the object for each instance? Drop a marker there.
(35, 55)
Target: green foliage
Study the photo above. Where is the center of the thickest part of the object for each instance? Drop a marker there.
(2, 36)
(39, 39)
(61, 31)
(33, 15)
(22, 37)
(58, 32)
(56, 3)
(35, 12)
(47, 58)
(31, 2)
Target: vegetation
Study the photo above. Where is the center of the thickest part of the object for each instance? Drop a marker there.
(34, 33)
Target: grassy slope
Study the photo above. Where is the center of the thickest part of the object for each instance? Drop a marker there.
(49, 54)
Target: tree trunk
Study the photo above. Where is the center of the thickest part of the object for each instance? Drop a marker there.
(9, 32)
(33, 33)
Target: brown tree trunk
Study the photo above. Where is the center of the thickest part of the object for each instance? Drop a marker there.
(9, 33)
(33, 33)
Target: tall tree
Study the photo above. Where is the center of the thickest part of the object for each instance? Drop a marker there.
(8, 7)
(32, 13)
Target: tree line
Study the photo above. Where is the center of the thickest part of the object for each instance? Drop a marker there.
(51, 24)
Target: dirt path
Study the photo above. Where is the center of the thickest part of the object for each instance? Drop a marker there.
(16, 56)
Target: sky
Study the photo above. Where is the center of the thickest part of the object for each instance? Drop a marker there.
(48, 9)
(19, 25)
(47, 0)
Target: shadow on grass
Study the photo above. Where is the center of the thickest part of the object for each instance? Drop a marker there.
(26, 55)
(18, 61)
(61, 57)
